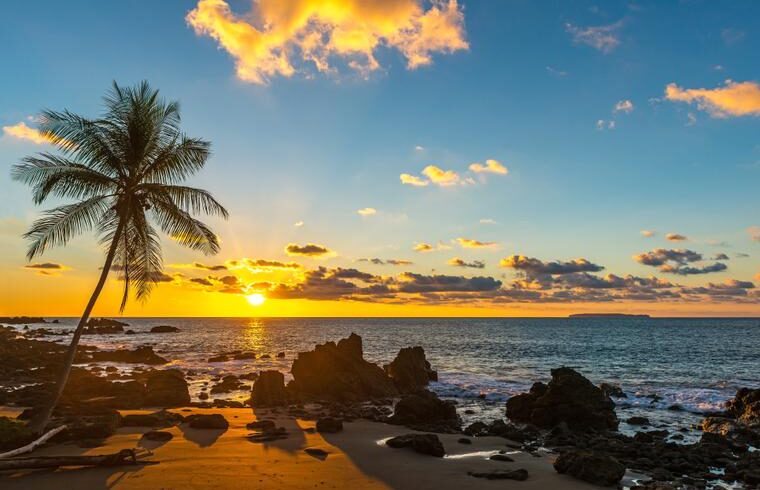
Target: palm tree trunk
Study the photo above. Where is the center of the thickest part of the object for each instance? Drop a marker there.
(41, 419)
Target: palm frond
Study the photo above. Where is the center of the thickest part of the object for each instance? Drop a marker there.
(183, 228)
(177, 161)
(189, 199)
(63, 178)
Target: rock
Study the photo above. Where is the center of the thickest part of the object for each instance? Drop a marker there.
(519, 474)
(612, 390)
(20, 320)
(269, 435)
(425, 411)
(269, 390)
(89, 427)
(227, 384)
(103, 326)
(730, 430)
(166, 388)
(85, 392)
(162, 418)
(338, 372)
(329, 425)
(141, 355)
(203, 396)
(569, 398)
(242, 356)
(219, 358)
(745, 407)
(13, 434)
(280, 355)
(164, 329)
(262, 425)
(464, 440)
(638, 420)
(592, 467)
(421, 443)
(501, 457)
(410, 370)
(158, 436)
(207, 421)
(105, 322)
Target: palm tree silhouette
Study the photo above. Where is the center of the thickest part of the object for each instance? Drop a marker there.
(124, 171)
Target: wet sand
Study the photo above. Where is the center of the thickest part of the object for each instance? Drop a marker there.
(215, 459)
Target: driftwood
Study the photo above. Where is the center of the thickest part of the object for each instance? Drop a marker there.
(33, 445)
(123, 457)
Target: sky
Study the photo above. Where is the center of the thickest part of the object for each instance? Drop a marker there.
(415, 158)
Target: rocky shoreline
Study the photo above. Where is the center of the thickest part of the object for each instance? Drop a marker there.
(333, 384)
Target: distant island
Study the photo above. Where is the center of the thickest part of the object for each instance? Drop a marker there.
(606, 315)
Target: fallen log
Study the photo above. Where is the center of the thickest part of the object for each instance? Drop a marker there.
(122, 458)
(34, 444)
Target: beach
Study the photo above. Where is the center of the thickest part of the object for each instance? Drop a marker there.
(355, 458)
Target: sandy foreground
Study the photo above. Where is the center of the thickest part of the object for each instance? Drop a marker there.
(356, 458)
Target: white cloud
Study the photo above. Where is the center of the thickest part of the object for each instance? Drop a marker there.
(367, 211)
(624, 106)
(491, 166)
(602, 38)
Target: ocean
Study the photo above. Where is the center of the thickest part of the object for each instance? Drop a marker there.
(671, 369)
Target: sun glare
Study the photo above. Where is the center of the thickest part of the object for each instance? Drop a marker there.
(256, 299)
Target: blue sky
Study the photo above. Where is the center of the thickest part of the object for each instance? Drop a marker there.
(530, 92)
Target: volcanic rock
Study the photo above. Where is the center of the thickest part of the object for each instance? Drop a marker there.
(592, 467)
(410, 370)
(421, 443)
(269, 390)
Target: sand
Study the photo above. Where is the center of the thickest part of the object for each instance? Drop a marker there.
(356, 459)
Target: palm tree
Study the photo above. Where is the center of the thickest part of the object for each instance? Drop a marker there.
(124, 170)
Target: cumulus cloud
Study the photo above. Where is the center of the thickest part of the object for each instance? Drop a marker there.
(283, 37)
(475, 264)
(413, 180)
(491, 166)
(677, 261)
(378, 261)
(427, 247)
(438, 176)
(534, 267)
(732, 99)
(366, 211)
(202, 281)
(675, 237)
(470, 243)
(624, 106)
(603, 38)
(270, 264)
(648, 233)
(308, 250)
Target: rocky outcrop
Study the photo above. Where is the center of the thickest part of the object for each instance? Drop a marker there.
(141, 355)
(207, 421)
(421, 443)
(611, 390)
(595, 468)
(425, 411)
(227, 384)
(164, 329)
(103, 326)
(568, 398)
(410, 370)
(269, 390)
(338, 372)
(166, 388)
(745, 407)
(21, 320)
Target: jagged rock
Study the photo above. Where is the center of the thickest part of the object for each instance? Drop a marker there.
(421, 443)
(339, 372)
(745, 407)
(166, 388)
(207, 421)
(103, 326)
(269, 390)
(164, 329)
(425, 411)
(730, 430)
(592, 467)
(518, 474)
(410, 370)
(569, 398)
(329, 425)
(141, 355)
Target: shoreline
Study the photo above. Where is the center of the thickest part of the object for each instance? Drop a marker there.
(208, 458)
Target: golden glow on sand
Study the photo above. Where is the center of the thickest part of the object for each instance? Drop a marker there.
(256, 299)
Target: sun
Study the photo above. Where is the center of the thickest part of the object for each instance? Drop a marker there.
(256, 299)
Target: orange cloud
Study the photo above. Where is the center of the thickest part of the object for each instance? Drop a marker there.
(491, 166)
(267, 41)
(308, 250)
(470, 243)
(733, 99)
(427, 247)
(23, 132)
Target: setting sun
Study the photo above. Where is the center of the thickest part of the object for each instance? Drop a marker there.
(256, 299)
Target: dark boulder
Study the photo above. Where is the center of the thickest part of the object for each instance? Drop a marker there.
(595, 468)
(85, 392)
(88, 427)
(518, 474)
(207, 421)
(636, 420)
(227, 384)
(329, 425)
(141, 355)
(262, 425)
(164, 329)
(569, 398)
(425, 411)
(269, 390)
(410, 370)
(338, 372)
(158, 436)
(745, 407)
(421, 443)
(103, 326)
(166, 388)
(162, 418)
(611, 390)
